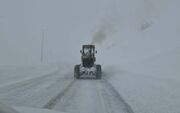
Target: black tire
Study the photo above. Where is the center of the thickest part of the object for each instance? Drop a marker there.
(98, 72)
(77, 71)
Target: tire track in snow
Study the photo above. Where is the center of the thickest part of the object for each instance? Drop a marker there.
(114, 100)
(89, 96)
(53, 101)
(18, 92)
(30, 82)
(34, 92)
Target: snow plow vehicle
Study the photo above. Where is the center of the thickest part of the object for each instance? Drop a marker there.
(88, 68)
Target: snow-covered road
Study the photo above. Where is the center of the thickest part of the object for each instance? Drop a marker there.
(91, 96)
(61, 92)
(34, 92)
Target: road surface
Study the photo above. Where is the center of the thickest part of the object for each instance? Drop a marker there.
(61, 92)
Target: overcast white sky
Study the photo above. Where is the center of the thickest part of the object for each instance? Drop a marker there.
(67, 25)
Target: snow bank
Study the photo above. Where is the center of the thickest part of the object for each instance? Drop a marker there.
(13, 74)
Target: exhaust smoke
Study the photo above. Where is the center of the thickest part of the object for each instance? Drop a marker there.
(108, 26)
(105, 30)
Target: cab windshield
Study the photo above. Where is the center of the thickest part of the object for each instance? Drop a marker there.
(88, 51)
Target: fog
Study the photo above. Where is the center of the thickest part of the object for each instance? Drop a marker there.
(67, 24)
(138, 47)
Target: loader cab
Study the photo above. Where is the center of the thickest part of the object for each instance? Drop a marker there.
(88, 55)
(88, 50)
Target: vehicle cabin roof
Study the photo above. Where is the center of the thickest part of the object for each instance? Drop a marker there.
(88, 46)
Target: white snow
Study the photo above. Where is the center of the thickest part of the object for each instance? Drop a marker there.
(7, 109)
(146, 72)
(13, 74)
(34, 110)
(140, 59)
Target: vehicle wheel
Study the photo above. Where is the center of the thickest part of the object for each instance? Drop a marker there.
(77, 71)
(98, 72)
